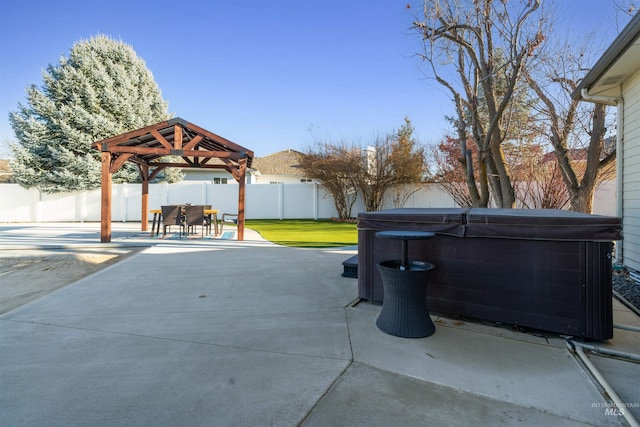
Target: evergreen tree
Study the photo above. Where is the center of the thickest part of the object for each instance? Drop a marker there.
(100, 90)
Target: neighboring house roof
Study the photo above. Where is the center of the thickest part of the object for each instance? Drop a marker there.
(577, 154)
(619, 62)
(6, 175)
(285, 162)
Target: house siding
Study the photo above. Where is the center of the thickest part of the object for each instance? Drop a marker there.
(631, 173)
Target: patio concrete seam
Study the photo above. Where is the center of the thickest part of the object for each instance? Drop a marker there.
(591, 376)
(326, 392)
(323, 308)
(346, 321)
(160, 338)
(503, 336)
(75, 247)
(497, 401)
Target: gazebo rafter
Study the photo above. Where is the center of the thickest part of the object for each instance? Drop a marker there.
(173, 143)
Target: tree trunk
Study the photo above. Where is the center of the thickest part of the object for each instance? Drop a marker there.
(507, 194)
(582, 198)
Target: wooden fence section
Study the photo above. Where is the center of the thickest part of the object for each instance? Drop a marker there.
(263, 201)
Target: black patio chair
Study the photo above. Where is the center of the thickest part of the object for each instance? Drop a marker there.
(195, 216)
(207, 219)
(172, 215)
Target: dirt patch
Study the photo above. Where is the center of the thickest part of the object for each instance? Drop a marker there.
(26, 275)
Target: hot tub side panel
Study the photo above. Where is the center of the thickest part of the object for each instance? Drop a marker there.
(598, 290)
(558, 286)
(537, 284)
(443, 221)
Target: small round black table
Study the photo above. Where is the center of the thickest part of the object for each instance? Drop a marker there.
(404, 308)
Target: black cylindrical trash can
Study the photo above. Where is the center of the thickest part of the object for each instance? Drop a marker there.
(404, 311)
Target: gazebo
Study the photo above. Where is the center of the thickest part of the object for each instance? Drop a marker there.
(172, 143)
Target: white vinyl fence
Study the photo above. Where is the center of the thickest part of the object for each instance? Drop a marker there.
(263, 201)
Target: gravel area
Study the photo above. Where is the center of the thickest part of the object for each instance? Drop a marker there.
(627, 288)
(26, 275)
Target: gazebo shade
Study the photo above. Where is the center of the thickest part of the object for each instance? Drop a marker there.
(172, 143)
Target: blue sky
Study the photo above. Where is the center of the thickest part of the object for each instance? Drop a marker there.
(268, 75)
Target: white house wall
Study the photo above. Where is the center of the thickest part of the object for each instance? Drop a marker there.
(284, 179)
(207, 176)
(604, 199)
(631, 173)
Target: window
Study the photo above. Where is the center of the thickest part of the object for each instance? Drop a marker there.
(219, 180)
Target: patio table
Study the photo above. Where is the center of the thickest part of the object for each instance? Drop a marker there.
(404, 310)
(157, 219)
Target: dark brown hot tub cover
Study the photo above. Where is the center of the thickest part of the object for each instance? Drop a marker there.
(547, 224)
(445, 221)
(528, 224)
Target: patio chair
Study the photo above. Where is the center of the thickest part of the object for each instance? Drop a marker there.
(172, 215)
(229, 219)
(207, 219)
(195, 216)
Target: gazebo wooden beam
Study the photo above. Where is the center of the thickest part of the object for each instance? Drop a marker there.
(230, 145)
(118, 139)
(177, 137)
(240, 177)
(117, 163)
(161, 139)
(144, 173)
(159, 151)
(191, 144)
(189, 166)
(105, 199)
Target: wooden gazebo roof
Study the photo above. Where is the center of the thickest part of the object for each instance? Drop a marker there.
(172, 143)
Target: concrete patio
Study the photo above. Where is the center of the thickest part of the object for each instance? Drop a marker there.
(228, 333)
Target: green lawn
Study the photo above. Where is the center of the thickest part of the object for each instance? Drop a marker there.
(306, 233)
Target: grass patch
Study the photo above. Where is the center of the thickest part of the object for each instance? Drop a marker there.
(306, 233)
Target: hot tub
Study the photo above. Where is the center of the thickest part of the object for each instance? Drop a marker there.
(542, 269)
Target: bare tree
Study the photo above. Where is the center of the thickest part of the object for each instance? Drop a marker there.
(348, 171)
(576, 130)
(625, 9)
(476, 50)
(449, 174)
(393, 163)
(537, 182)
(333, 165)
(544, 189)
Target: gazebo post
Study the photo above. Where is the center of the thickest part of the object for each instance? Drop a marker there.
(105, 200)
(241, 191)
(145, 198)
